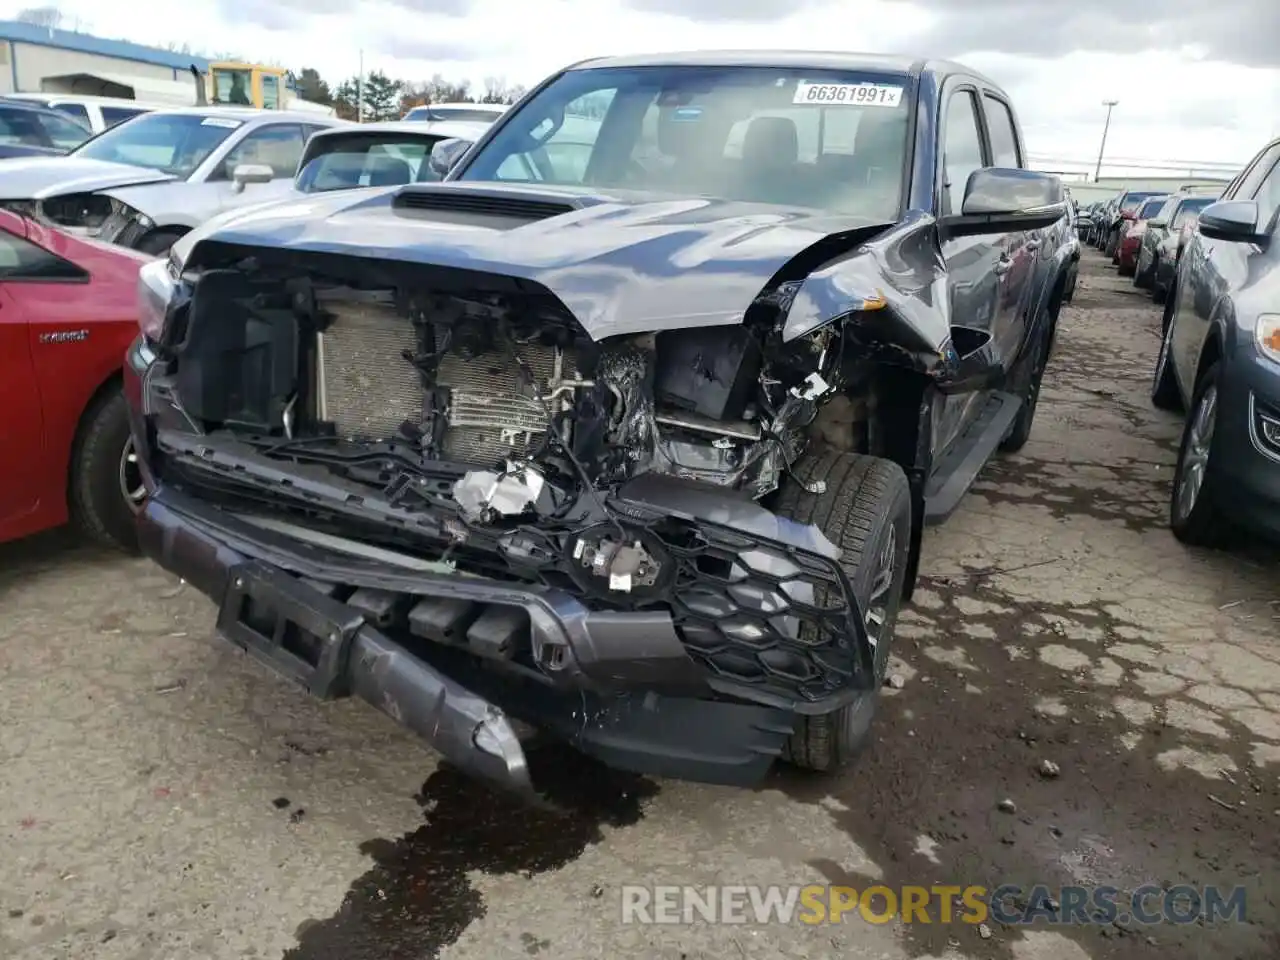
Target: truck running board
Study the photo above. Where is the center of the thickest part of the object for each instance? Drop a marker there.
(956, 470)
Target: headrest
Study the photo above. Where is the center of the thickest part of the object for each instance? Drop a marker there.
(771, 142)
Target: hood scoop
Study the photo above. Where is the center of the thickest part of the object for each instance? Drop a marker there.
(476, 203)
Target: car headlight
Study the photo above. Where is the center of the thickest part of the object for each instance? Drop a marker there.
(1267, 334)
(156, 288)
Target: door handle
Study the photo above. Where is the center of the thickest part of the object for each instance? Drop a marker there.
(1002, 265)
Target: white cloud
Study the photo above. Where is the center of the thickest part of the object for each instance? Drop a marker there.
(1171, 105)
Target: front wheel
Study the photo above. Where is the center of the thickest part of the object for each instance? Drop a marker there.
(865, 510)
(1194, 515)
(158, 242)
(106, 488)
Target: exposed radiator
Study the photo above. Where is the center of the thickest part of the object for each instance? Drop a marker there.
(490, 414)
(367, 388)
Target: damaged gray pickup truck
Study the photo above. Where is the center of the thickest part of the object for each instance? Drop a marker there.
(627, 431)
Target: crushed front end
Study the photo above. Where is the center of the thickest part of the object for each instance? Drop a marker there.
(433, 490)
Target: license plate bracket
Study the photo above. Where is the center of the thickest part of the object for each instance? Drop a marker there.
(294, 629)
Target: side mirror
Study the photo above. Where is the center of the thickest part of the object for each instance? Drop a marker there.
(250, 173)
(445, 155)
(1231, 220)
(1001, 200)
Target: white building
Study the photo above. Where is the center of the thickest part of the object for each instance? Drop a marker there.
(36, 59)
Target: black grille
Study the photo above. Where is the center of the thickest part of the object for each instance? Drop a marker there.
(463, 201)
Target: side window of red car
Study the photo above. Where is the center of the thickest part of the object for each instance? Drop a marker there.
(23, 262)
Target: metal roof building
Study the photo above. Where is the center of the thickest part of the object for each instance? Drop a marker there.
(36, 59)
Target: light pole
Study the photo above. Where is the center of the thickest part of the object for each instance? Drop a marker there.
(1109, 104)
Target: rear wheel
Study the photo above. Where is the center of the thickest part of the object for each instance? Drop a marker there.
(865, 510)
(1033, 374)
(1164, 388)
(106, 488)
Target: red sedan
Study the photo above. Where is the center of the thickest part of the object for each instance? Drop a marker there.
(1126, 256)
(68, 311)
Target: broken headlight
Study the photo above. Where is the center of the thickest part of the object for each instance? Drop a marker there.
(90, 215)
(1267, 335)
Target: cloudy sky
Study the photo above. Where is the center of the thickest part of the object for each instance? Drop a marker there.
(1197, 80)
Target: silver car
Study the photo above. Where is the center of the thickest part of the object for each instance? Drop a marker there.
(146, 182)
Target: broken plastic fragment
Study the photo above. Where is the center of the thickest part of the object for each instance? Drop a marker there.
(814, 386)
(482, 492)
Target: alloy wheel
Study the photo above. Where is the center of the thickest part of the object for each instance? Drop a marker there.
(1195, 460)
(132, 488)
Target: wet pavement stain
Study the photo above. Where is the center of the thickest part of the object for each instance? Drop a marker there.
(1112, 816)
(416, 899)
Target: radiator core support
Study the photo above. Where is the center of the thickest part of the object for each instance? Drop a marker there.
(500, 402)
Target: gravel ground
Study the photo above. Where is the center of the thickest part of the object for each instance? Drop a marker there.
(162, 796)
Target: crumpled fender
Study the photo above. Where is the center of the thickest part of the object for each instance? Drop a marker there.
(890, 292)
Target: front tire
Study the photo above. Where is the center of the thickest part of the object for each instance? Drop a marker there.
(1194, 515)
(158, 242)
(105, 489)
(865, 510)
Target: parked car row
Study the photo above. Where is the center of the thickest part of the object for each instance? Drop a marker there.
(1214, 263)
(74, 232)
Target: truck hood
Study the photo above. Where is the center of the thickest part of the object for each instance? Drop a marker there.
(621, 262)
(37, 178)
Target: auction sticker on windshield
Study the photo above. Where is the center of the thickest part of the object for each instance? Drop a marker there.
(848, 94)
(219, 122)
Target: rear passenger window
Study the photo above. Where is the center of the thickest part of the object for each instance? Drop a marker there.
(961, 148)
(1004, 138)
(113, 115)
(21, 260)
(75, 111)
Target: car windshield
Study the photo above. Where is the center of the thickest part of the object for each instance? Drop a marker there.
(814, 138)
(1132, 201)
(1151, 208)
(347, 161)
(173, 143)
(419, 114)
(1190, 208)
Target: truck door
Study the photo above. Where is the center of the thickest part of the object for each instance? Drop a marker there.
(1023, 249)
(976, 265)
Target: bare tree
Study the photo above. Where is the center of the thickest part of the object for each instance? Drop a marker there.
(49, 17)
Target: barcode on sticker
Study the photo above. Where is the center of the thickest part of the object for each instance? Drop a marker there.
(848, 94)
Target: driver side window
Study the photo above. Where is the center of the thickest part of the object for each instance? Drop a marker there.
(278, 146)
(961, 149)
(562, 157)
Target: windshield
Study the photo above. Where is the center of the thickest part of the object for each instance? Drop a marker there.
(1190, 208)
(173, 143)
(366, 160)
(828, 140)
(1151, 208)
(451, 113)
(1132, 201)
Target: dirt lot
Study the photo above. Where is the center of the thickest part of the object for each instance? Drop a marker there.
(163, 797)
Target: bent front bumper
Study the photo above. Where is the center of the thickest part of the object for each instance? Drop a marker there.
(635, 701)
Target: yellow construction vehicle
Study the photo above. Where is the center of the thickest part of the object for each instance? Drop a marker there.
(255, 85)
